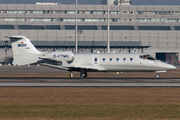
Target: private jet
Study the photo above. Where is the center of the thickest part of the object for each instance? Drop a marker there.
(25, 53)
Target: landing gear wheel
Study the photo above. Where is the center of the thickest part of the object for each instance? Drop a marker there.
(157, 76)
(83, 73)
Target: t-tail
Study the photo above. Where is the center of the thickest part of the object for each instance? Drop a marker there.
(24, 52)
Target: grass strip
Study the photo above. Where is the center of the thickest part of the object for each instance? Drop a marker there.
(89, 111)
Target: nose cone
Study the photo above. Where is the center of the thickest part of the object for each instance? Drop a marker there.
(172, 67)
(166, 66)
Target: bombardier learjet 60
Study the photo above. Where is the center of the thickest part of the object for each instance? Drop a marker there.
(25, 53)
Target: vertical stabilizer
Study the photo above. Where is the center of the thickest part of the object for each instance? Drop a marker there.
(24, 51)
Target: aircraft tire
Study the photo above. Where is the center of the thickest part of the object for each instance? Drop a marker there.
(157, 76)
(83, 76)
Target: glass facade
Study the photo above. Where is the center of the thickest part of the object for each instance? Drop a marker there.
(154, 28)
(158, 12)
(60, 19)
(118, 27)
(99, 12)
(172, 20)
(15, 11)
(86, 27)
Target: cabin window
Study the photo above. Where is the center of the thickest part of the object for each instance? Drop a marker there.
(110, 59)
(95, 59)
(131, 59)
(124, 59)
(104, 59)
(117, 59)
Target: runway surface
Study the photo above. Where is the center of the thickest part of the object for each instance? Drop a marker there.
(88, 82)
(79, 82)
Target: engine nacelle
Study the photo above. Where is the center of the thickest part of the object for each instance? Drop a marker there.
(68, 56)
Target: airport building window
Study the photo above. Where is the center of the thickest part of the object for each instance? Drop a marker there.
(47, 11)
(177, 27)
(37, 11)
(95, 20)
(131, 12)
(125, 12)
(40, 19)
(114, 12)
(88, 12)
(98, 12)
(52, 27)
(37, 27)
(114, 20)
(117, 59)
(60, 11)
(15, 11)
(15, 19)
(24, 26)
(6, 27)
(66, 19)
(131, 59)
(124, 59)
(81, 27)
(142, 12)
(70, 27)
(123, 27)
(158, 12)
(70, 12)
(93, 12)
(104, 59)
(173, 20)
(154, 27)
(29, 27)
(87, 27)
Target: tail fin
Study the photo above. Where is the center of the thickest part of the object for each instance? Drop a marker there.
(24, 51)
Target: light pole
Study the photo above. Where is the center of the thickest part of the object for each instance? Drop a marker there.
(76, 30)
(108, 45)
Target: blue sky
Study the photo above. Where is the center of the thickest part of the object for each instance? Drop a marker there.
(135, 2)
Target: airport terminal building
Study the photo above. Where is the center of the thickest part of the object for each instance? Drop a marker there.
(51, 26)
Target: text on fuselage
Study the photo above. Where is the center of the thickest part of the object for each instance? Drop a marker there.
(61, 55)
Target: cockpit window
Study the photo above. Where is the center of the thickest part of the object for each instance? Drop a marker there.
(147, 57)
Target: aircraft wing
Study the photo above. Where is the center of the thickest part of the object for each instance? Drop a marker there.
(66, 65)
(91, 67)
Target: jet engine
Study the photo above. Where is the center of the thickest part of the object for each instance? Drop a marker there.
(68, 56)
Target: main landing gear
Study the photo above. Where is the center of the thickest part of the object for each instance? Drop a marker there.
(83, 73)
(157, 76)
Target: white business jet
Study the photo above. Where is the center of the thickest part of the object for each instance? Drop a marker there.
(25, 53)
